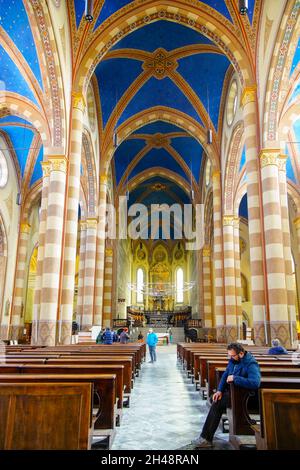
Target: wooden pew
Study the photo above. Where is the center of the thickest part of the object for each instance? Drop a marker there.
(64, 416)
(240, 421)
(280, 420)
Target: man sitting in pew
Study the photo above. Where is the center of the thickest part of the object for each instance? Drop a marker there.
(277, 348)
(243, 370)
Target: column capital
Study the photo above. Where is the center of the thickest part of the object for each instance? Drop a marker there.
(282, 158)
(109, 252)
(269, 157)
(103, 179)
(82, 224)
(248, 95)
(228, 220)
(91, 222)
(297, 222)
(216, 174)
(58, 163)
(46, 169)
(236, 221)
(78, 101)
(206, 251)
(25, 227)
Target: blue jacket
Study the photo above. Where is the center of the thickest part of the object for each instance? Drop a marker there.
(152, 339)
(246, 373)
(277, 350)
(108, 337)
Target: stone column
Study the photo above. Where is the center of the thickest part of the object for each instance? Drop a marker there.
(89, 274)
(229, 278)
(47, 326)
(40, 256)
(71, 223)
(238, 284)
(207, 292)
(220, 317)
(17, 319)
(258, 283)
(107, 290)
(100, 252)
(275, 262)
(291, 294)
(81, 271)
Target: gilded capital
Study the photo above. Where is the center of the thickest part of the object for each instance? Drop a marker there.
(58, 163)
(78, 101)
(109, 252)
(228, 220)
(269, 157)
(282, 162)
(25, 227)
(91, 222)
(46, 169)
(103, 179)
(236, 221)
(206, 251)
(297, 222)
(248, 95)
(82, 224)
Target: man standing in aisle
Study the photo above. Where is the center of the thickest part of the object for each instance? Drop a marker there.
(152, 342)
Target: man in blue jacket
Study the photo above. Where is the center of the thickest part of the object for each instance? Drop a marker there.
(242, 370)
(108, 336)
(277, 348)
(152, 339)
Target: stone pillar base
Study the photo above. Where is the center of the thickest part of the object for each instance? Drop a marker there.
(231, 333)
(282, 331)
(259, 333)
(221, 334)
(3, 332)
(46, 333)
(16, 332)
(66, 333)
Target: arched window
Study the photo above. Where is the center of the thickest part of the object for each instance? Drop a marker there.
(140, 285)
(179, 285)
(3, 170)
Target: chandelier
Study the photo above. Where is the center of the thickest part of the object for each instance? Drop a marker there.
(160, 289)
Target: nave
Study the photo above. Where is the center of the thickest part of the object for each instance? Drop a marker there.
(166, 411)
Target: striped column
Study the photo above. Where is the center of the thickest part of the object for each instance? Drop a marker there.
(207, 292)
(89, 274)
(99, 282)
(254, 214)
(290, 284)
(238, 285)
(52, 252)
(107, 289)
(81, 272)
(71, 223)
(220, 318)
(40, 256)
(275, 262)
(229, 278)
(17, 319)
(297, 226)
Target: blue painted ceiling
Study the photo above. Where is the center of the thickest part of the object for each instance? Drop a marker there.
(243, 209)
(14, 20)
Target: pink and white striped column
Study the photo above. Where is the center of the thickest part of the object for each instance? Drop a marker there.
(17, 318)
(254, 213)
(291, 292)
(71, 223)
(229, 278)
(207, 287)
(40, 256)
(275, 262)
(238, 284)
(89, 274)
(81, 272)
(99, 281)
(47, 326)
(107, 289)
(220, 316)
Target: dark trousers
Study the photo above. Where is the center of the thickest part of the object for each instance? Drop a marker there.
(214, 416)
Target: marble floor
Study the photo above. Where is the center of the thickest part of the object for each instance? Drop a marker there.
(166, 412)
